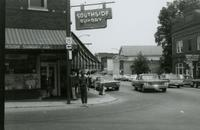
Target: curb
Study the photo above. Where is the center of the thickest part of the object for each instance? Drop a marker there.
(59, 104)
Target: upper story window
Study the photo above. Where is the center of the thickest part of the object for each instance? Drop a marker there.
(179, 46)
(198, 43)
(179, 68)
(190, 45)
(38, 5)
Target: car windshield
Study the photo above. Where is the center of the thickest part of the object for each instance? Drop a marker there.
(173, 77)
(149, 77)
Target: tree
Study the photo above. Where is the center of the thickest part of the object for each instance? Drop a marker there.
(166, 19)
(140, 64)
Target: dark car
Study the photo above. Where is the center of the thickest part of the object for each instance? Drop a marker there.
(150, 81)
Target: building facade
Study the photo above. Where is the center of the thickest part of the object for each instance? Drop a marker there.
(186, 44)
(107, 63)
(127, 54)
(36, 64)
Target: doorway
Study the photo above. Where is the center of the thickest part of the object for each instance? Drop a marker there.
(48, 72)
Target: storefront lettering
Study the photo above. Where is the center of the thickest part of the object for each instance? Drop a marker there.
(92, 19)
(92, 14)
(23, 46)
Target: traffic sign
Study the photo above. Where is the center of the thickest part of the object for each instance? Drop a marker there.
(68, 40)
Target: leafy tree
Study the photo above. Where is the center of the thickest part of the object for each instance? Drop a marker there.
(166, 19)
(140, 64)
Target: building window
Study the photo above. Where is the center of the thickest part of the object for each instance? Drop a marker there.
(198, 43)
(37, 5)
(198, 70)
(179, 47)
(190, 45)
(179, 68)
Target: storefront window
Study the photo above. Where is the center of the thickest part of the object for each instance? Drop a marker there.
(20, 64)
(179, 68)
(21, 72)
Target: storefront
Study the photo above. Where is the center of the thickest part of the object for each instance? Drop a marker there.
(35, 63)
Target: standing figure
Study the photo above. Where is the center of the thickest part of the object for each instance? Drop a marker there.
(83, 88)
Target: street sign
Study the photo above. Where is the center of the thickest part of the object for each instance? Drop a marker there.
(68, 40)
(69, 46)
(92, 19)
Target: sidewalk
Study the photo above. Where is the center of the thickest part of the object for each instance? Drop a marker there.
(93, 98)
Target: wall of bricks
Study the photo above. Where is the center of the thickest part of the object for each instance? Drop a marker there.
(18, 15)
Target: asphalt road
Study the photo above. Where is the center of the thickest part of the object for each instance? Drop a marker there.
(177, 109)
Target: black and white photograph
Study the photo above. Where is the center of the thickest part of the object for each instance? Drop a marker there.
(99, 64)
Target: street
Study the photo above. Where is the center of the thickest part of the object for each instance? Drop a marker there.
(177, 109)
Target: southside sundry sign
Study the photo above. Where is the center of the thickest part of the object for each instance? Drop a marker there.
(92, 19)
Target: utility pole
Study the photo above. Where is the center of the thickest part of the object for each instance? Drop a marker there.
(68, 52)
(2, 60)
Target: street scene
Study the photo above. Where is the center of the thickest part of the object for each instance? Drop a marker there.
(99, 65)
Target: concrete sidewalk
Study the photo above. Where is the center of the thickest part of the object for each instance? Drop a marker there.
(93, 98)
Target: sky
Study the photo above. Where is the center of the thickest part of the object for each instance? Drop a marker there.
(133, 22)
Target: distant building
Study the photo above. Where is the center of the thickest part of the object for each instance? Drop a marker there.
(127, 54)
(106, 60)
(186, 44)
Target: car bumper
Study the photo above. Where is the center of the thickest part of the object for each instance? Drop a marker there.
(155, 87)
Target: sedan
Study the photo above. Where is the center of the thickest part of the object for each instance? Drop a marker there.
(174, 80)
(150, 81)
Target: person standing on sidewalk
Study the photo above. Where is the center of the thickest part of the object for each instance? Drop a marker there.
(83, 88)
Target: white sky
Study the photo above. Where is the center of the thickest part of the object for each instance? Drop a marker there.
(134, 22)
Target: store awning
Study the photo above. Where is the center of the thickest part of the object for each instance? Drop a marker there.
(34, 39)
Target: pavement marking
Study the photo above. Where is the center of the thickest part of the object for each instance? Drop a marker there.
(182, 112)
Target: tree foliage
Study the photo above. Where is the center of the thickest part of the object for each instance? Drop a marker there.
(140, 64)
(166, 18)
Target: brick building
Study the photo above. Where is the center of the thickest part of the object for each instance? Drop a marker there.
(35, 49)
(186, 44)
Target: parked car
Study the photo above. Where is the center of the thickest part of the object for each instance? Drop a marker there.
(150, 81)
(174, 80)
(107, 82)
(188, 80)
(132, 77)
(117, 77)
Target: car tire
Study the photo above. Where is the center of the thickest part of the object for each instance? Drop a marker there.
(178, 86)
(117, 89)
(135, 88)
(142, 89)
(164, 90)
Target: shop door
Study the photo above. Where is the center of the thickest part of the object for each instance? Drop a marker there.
(48, 79)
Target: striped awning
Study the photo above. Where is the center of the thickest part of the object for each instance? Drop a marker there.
(34, 39)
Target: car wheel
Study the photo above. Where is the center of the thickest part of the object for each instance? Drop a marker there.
(142, 89)
(117, 89)
(164, 89)
(178, 86)
(135, 88)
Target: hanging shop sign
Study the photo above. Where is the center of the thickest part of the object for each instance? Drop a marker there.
(92, 19)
